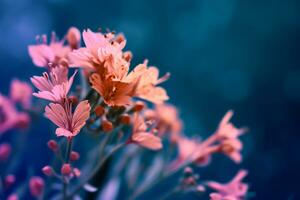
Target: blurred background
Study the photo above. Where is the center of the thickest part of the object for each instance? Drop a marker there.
(230, 54)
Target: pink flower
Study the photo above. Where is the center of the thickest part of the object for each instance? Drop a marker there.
(5, 151)
(147, 88)
(36, 186)
(101, 51)
(9, 116)
(20, 92)
(42, 54)
(69, 123)
(142, 137)
(13, 197)
(167, 119)
(227, 129)
(232, 148)
(54, 86)
(235, 189)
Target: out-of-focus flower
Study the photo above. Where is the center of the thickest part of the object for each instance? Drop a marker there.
(5, 151)
(227, 129)
(47, 170)
(73, 37)
(9, 116)
(9, 180)
(20, 92)
(54, 86)
(69, 123)
(36, 186)
(13, 197)
(166, 117)
(74, 156)
(142, 137)
(232, 148)
(76, 172)
(234, 190)
(42, 54)
(147, 88)
(101, 52)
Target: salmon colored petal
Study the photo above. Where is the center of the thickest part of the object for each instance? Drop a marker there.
(81, 114)
(63, 132)
(147, 140)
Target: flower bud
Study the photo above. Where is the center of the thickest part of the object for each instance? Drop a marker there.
(66, 169)
(77, 172)
(73, 37)
(127, 55)
(139, 105)
(47, 170)
(36, 186)
(5, 150)
(125, 119)
(73, 99)
(99, 111)
(107, 126)
(74, 156)
(9, 180)
(52, 144)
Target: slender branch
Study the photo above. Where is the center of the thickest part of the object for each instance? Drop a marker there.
(96, 169)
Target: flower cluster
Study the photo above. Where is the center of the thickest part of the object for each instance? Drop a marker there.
(118, 119)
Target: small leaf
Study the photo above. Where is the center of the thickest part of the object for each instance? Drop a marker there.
(90, 188)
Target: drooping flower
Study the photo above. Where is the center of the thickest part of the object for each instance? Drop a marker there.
(43, 53)
(10, 118)
(69, 123)
(102, 50)
(142, 137)
(36, 186)
(147, 88)
(234, 190)
(20, 92)
(53, 86)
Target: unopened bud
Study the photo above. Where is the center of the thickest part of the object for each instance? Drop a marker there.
(47, 170)
(127, 55)
(139, 105)
(36, 186)
(125, 119)
(77, 172)
(74, 156)
(73, 99)
(73, 37)
(99, 111)
(66, 169)
(107, 126)
(52, 144)
(5, 150)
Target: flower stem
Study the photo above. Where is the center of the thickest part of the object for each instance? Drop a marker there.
(96, 169)
(67, 160)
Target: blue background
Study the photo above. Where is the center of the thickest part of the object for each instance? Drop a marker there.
(227, 54)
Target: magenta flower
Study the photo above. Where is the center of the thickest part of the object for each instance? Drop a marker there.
(234, 190)
(69, 123)
(43, 54)
(36, 186)
(20, 92)
(53, 86)
(9, 116)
